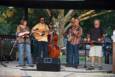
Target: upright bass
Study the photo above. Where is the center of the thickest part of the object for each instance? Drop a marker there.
(54, 51)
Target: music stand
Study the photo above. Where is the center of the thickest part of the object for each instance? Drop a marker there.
(86, 49)
(84, 44)
(24, 58)
(85, 64)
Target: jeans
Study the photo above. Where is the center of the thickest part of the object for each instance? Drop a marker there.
(42, 49)
(24, 47)
(72, 54)
(65, 41)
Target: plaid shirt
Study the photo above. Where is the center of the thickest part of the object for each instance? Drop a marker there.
(74, 35)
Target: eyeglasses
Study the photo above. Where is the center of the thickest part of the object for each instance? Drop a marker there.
(95, 24)
(42, 20)
(71, 21)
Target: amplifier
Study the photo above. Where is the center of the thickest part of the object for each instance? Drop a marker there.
(48, 64)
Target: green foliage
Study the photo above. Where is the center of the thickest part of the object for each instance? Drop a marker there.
(10, 18)
(33, 18)
(107, 23)
(5, 28)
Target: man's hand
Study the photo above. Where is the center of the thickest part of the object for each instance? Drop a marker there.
(26, 32)
(23, 33)
(33, 31)
(99, 39)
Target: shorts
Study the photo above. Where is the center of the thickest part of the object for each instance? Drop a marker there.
(96, 51)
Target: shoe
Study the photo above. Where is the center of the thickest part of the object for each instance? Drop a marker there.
(31, 65)
(69, 65)
(76, 67)
(21, 65)
(90, 68)
(100, 67)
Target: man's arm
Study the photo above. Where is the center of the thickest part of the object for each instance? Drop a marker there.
(34, 28)
(18, 31)
(101, 39)
(66, 32)
(47, 30)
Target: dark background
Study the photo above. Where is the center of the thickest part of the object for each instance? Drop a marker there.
(89, 4)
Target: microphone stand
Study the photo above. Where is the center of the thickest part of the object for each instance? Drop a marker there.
(85, 65)
(15, 45)
(24, 47)
(24, 57)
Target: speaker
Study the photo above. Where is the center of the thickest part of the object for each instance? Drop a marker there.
(48, 64)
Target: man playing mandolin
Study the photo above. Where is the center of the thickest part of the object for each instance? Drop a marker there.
(74, 34)
(23, 40)
(40, 32)
(96, 39)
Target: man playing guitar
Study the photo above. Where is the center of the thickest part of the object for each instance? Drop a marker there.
(40, 32)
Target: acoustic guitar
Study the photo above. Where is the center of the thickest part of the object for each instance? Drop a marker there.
(40, 35)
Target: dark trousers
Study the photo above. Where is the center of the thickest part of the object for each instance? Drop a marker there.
(72, 54)
(42, 49)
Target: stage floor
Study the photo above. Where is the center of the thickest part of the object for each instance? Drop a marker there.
(13, 71)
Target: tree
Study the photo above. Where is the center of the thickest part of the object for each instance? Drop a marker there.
(59, 17)
(62, 19)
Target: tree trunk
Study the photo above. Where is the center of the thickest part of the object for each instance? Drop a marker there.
(61, 26)
(68, 16)
(60, 23)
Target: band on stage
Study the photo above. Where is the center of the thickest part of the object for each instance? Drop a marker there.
(47, 42)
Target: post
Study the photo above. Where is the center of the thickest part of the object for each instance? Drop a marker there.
(113, 54)
(113, 58)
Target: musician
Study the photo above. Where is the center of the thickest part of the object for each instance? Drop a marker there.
(74, 35)
(51, 30)
(23, 43)
(96, 38)
(40, 32)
